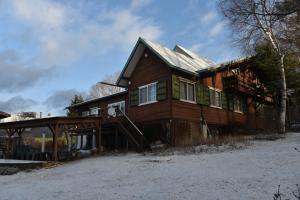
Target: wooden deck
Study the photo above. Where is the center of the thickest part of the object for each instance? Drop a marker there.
(57, 125)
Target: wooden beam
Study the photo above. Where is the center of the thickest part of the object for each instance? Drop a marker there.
(55, 132)
(116, 138)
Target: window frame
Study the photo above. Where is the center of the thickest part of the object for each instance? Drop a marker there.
(240, 104)
(147, 86)
(85, 113)
(119, 104)
(93, 109)
(220, 97)
(187, 82)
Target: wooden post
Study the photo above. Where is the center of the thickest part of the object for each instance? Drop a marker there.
(116, 139)
(99, 139)
(55, 132)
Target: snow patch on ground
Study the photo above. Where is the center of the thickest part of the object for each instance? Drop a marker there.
(251, 173)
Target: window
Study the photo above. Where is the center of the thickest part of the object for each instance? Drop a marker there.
(238, 107)
(94, 111)
(187, 91)
(147, 94)
(85, 113)
(120, 105)
(215, 97)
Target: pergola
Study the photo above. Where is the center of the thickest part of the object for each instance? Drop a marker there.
(57, 125)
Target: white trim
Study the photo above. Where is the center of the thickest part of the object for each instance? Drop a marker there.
(118, 103)
(147, 86)
(186, 80)
(149, 102)
(240, 112)
(188, 101)
(212, 106)
(220, 96)
(93, 109)
(215, 89)
(143, 86)
(187, 94)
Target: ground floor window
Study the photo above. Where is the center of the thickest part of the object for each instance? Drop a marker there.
(120, 105)
(94, 111)
(85, 113)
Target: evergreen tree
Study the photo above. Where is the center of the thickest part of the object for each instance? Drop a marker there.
(266, 62)
(75, 100)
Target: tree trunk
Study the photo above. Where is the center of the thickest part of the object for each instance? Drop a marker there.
(282, 114)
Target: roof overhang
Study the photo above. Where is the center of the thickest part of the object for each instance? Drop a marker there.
(4, 115)
(134, 58)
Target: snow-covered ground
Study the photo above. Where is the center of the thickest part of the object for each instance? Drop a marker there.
(9, 161)
(251, 173)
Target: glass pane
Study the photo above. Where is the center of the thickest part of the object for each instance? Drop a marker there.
(191, 92)
(122, 106)
(183, 92)
(152, 92)
(143, 95)
(218, 99)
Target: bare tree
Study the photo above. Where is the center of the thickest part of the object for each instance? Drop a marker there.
(100, 90)
(262, 20)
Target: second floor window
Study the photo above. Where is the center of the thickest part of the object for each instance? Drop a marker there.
(147, 94)
(187, 91)
(215, 97)
(238, 104)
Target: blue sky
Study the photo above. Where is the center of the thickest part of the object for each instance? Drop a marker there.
(52, 49)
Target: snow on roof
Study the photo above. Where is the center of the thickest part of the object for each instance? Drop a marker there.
(180, 57)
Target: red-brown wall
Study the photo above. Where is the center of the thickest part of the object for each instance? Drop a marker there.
(148, 70)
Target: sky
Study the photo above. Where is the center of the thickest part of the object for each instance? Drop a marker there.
(53, 49)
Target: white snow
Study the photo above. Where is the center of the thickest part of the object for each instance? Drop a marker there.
(251, 173)
(10, 161)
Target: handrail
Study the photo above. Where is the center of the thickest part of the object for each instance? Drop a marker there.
(118, 110)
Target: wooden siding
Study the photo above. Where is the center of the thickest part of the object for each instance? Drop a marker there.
(102, 103)
(218, 116)
(148, 70)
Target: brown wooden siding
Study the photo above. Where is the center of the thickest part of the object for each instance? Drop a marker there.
(148, 70)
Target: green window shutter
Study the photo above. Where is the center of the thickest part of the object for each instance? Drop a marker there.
(224, 99)
(161, 90)
(230, 99)
(134, 97)
(175, 87)
(244, 105)
(202, 94)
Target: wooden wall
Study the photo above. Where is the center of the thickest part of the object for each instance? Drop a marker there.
(148, 70)
(102, 103)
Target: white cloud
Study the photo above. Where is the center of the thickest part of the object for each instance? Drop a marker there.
(217, 28)
(197, 47)
(65, 34)
(208, 17)
(137, 4)
(43, 14)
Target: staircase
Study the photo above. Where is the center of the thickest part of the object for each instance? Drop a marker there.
(133, 133)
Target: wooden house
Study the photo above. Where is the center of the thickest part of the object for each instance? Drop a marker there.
(180, 98)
